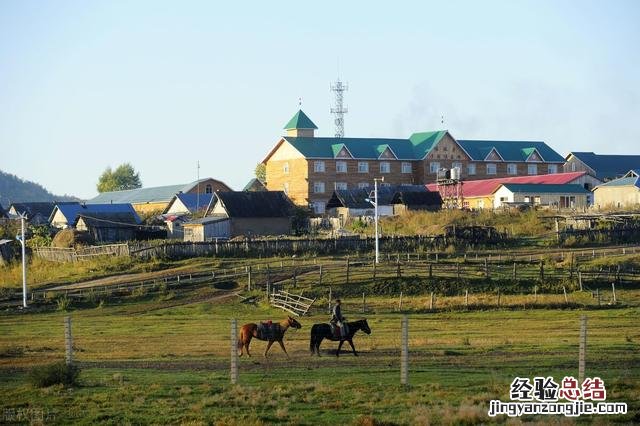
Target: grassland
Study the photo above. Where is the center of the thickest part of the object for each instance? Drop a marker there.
(147, 362)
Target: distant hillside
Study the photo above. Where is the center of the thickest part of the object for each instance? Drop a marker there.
(15, 190)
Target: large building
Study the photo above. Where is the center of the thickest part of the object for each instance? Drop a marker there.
(605, 167)
(310, 168)
(619, 193)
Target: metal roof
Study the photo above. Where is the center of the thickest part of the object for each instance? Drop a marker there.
(155, 194)
(44, 209)
(191, 201)
(541, 188)
(109, 219)
(608, 166)
(300, 121)
(255, 204)
(516, 151)
(72, 211)
(624, 181)
(357, 198)
(486, 187)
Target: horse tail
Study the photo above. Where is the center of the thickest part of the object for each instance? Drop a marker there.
(240, 338)
(312, 340)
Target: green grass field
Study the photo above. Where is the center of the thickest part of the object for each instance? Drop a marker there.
(147, 362)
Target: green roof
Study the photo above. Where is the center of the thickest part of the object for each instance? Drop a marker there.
(300, 121)
(414, 148)
(546, 188)
(509, 150)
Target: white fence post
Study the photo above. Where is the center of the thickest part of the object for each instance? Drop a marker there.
(234, 351)
(68, 341)
(404, 353)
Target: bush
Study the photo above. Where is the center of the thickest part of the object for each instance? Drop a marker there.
(54, 374)
(63, 302)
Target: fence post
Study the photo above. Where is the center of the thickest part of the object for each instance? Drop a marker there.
(431, 302)
(347, 270)
(564, 289)
(515, 277)
(249, 279)
(541, 270)
(400, 304)
(430, 270)
(330, 296)
(436, 257)
(580, 279)
(320, 271)
(583, 348)
(398, 272)
(535, 294)
(234, 351)
(466, 298)
(404, 353)
(268, 282)
(374, 269)
(68, 341)
(598, 295)
(295, 278)
(613, 289)
(364, 303)
(458, 272)
(486, 268)
(498, 297)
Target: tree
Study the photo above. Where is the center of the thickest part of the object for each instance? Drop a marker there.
(261, 172)
(123, 177)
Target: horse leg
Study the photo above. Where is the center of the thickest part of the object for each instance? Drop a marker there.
(268, 346)
(246, 345)
(353, 347)
(317, 345)
(339, 347)
(282, 346)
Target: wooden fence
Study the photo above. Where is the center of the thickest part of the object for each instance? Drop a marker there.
(294, 303)
(55, 254)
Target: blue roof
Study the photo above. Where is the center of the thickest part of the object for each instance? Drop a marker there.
(71, 211)
(191, 201)
(156, 194)
(510, 150)
(608, 166)
(546, 188)
(624, 181)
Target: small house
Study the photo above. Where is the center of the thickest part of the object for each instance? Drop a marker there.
(66, 215)
(239, 213)
(254, 185)
(109, 227)
(619, 193)
(569, 196)
(185, 204)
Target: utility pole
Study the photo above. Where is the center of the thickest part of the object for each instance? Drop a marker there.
(24, 261)
(375, 205)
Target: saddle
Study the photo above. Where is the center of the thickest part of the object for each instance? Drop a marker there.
(267, 330)
(335, 330)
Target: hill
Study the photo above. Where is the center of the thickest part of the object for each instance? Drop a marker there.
(14, 190)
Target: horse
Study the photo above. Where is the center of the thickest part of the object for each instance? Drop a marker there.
(249, 331)
(320, 332)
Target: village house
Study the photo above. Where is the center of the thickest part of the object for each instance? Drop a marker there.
(604, 167)
(619, 193)
(156, 199)
(406, 201)
(479, 194)
(552, 195)
(240, 213)
(109, 227)
(38, 213)
(188, 204)
(358, 202)
(67, 215)
(309, 168)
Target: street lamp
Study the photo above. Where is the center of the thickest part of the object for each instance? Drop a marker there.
(20, 238)
(375, 214)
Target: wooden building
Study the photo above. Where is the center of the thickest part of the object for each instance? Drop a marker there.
(309, 168)
(619, 193)
(109, 227)
(37, 213)
(240, 213)
(66, 215)
(550, 195)
(156, 199)
(188, 204)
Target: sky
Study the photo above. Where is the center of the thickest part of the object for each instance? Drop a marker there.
(86, 85)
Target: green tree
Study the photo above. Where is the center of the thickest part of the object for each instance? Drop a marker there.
(261, 172)
(123, 177)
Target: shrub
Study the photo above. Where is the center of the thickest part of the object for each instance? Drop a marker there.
(63, 302)
(54, 374)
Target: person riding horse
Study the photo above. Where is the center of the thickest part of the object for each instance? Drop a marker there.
(336, 317)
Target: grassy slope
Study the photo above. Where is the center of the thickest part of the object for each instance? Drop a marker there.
(459, 361)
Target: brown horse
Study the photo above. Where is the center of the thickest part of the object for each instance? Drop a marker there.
(249, 331)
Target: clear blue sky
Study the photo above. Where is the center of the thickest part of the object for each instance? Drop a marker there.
(161, 84)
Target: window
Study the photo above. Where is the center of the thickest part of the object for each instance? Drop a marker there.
(512, 169)
(363, 167)
(208, 189)
(385, 167)
(363, 185)
(285, 168)
(434, 166)
(553, 168)
(532, 169)
(318, 187)
(285, 188)
(471, 169)
(491, 169)
(318, 166)
(318, 207)
(341, 167)
(406, 167)
(341, 186)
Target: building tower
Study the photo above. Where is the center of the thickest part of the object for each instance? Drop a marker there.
(339, 110)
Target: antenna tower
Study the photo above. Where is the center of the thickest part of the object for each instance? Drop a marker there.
(339, 110)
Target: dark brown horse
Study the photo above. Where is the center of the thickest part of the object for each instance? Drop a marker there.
(249, 331)
(319, 332)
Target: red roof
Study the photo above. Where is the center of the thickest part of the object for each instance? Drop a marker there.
(485, 187)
